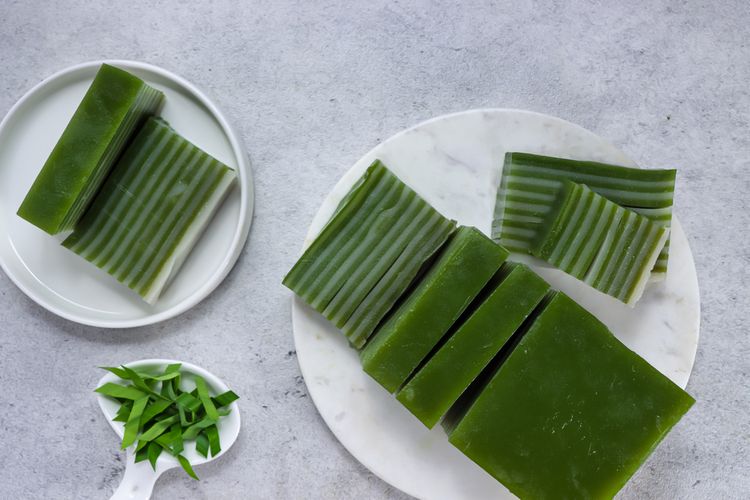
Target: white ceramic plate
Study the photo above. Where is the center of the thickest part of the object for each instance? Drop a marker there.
(66, 284)
(454, 161)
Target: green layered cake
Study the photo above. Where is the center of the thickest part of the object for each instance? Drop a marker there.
(530, 183)
(571, 412)
(380, 237)
(527, 383)
(512, 297)
(115, 105)
(465, 266)
(151, 209)
(611, 248)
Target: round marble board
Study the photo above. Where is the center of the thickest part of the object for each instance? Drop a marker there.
(454, 162)
(60, 280)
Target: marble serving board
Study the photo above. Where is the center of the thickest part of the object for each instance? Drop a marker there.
(454, 162)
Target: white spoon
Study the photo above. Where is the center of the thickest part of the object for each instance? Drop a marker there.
(139, 479)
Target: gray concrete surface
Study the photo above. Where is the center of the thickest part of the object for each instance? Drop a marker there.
(311, 86)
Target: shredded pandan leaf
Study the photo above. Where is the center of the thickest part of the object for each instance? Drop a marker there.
(187, 467)
(192, 431)
(154, 450)
(134, 422)
(160, 416)
(205, 398)
(201, 444)
(119, 391)
(225, 398)
(213, 439)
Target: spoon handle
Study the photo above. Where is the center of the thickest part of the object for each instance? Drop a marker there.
(138, 481)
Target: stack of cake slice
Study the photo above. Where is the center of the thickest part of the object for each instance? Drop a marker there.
(609, 247)
(369, 252)
(135, 194)
(530, 183)
(151, 210)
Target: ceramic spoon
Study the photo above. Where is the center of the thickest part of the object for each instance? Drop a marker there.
(139, 479)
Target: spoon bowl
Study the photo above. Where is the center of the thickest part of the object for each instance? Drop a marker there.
(139, 479)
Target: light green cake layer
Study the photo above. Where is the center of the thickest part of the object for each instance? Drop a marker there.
(408, 218)
(151, 210)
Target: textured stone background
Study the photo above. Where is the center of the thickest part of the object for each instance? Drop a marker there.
(311, 86)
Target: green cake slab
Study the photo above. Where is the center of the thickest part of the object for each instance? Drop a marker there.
(571, 412)
(323, 268)
(114, 106)
(465, 266)
(512, 297)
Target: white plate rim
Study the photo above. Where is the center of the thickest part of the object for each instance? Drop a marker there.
(247, 198)
(296, 302)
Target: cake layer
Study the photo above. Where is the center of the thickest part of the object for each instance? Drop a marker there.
(323, 268)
